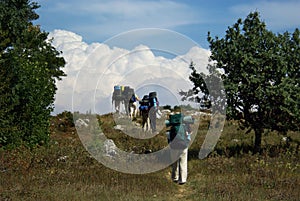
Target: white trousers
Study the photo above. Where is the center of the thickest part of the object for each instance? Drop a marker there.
(179, 168)
(133, 109)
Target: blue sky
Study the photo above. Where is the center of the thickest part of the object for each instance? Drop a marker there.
(79, 27)
(99, 20)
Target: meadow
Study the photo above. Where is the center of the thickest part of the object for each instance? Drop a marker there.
(64, 170)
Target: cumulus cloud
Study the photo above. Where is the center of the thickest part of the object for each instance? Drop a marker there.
(93, 69)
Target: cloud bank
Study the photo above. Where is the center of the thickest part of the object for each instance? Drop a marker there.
(93, 69)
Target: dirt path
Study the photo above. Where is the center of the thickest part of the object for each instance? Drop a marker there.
(183, 191)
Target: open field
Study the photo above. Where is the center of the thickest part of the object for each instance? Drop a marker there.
(64, 170)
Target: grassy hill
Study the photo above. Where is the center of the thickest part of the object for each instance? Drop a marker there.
(64, 170)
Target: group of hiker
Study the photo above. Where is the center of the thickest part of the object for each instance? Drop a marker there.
(148, 105)
(121, 95)
(179, 126)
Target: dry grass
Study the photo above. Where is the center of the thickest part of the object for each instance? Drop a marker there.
(65, 171)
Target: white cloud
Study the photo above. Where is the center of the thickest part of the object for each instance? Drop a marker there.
(276, 14)
(93, 69)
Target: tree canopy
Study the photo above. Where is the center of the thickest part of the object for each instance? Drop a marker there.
(29, 68)
(260, 71)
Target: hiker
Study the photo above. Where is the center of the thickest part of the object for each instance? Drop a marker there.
(144, 113)
(180, 168)
(117, 98)
(127, 93)
(179, 137)
(132, 107)
(153, 108)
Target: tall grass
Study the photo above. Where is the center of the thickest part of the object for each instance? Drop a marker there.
(64, 170)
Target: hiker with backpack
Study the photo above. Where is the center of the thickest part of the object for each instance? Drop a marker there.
(117, 98)
(179, 137)
(127, 93)
(153, 108)
(132, 107)
(144, 112)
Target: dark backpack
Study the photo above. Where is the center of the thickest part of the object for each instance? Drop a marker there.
(144, 103)
(153, 101)
(117, 94)
(146, 98)
(132, 99)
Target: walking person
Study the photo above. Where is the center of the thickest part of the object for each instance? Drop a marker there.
(133, 107)
(117, 98)
(144, 113)
(179, 139)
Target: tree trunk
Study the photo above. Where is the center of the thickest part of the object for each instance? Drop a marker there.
(257, 141)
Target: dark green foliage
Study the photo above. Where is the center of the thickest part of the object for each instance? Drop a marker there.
(260, 76)
(29, 68)
(65, 120)
(167, 107)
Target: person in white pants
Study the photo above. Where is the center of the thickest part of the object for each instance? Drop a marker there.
(133, 108)
(179, 168)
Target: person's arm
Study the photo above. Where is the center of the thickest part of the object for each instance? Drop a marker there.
(188, 132)
(137, 98)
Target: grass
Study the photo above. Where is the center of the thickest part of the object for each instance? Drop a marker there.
(64, 170)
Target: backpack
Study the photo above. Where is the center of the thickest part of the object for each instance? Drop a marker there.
(144, 103)
(132, 99)
(127, 93)
(153, 101)
(144, 107)
(146, 98)
(117, 94)
(178, 138)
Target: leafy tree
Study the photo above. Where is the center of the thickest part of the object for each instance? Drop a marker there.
(260, 71)
(29, 68)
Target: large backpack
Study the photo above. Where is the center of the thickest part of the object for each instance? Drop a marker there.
(144, 103)
(117, 94)
(178, 137)
(153, 101)
(127, 93)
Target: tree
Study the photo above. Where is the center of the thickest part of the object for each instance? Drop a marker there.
(260, 72)
(29, 68)
(208, 89)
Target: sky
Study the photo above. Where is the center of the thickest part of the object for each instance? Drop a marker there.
(147, 45)
(99, 20)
